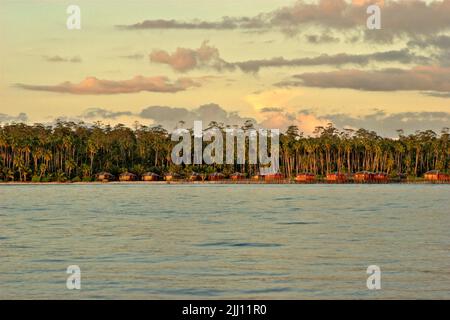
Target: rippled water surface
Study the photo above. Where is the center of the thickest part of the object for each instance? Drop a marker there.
(224, 241)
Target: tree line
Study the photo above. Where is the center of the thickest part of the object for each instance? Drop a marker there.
(77, 152)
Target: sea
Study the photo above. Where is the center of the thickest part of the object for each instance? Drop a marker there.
(161, 241)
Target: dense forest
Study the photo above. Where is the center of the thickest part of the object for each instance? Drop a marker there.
(77, 152)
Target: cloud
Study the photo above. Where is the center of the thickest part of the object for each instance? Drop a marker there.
(437, 94)
(422, 78)
(136, 56)
(388, 124)
(437, 45)
(305, 121)
(401, 56)
(286, 16)
(271, 109)
(438, 41)
(99, 113)
(92, 85)
(184, 59)
(379, 121)
(324, 38)
(164, 113)
(272, 118)
(399, 18)
(169, 117)
(385, 124)
(75, 59)
(411, 17)
(21, 117)
(226, 23)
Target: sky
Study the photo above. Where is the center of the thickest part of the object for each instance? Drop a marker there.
(279, 63)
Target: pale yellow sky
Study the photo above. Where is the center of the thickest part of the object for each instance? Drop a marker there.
(37, 52)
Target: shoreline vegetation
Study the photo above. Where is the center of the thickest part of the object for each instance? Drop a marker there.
(69, 152)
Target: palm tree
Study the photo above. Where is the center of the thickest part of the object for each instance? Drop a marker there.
(77, 149)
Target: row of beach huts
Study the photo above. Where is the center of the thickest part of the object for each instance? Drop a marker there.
(336, 177)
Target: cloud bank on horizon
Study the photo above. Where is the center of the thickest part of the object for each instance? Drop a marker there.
(387, 124)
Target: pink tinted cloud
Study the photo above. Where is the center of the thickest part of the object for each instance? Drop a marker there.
(94, 86)
(305, 121)
(185, 59)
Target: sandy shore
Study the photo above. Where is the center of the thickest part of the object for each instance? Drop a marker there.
(226, 182)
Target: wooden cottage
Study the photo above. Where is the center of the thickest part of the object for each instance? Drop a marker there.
(105, 177)
(151, 176)
(171, 176)
(336, 177)
(127, 176)
(436, 175)
(305, 177)
(216, 176)
(364, 176)
(273, 177)
(195, 177)
(381, 177)
(237, 176)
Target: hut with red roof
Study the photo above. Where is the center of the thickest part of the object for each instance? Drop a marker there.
(336, 177)
(305, 177)
(436, 175)
(364, 176)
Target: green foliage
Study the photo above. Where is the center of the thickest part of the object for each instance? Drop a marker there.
(87, 179)
(138, 169)
(69, 151)
(60, 176)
